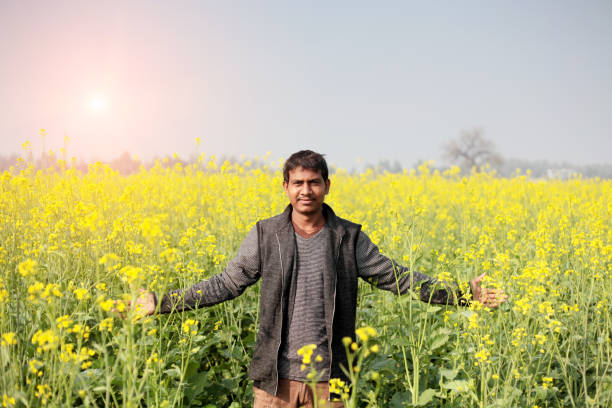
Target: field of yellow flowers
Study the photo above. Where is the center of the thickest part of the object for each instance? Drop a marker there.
(75, 248)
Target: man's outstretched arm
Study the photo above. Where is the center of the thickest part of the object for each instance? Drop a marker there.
(385, 274)
(240, 273)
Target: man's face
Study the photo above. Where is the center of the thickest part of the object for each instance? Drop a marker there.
(306, 190)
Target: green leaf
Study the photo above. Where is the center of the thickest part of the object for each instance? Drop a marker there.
(457, 385)
(402, 300)
(229, 383)
(426, 397)
(439, 341)
(433, 309)
(448, 374)
(382, 363)
(173, 372)
(191, 369)
(400, 399)
(401, 341)
(467, 313)
(196, 385)
(5, 357)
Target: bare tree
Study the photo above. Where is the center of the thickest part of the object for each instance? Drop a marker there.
(471, 149)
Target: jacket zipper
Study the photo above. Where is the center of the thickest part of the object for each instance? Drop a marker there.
(331, 335)
(280, 254)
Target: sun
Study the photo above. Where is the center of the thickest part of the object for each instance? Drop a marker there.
(98, 103)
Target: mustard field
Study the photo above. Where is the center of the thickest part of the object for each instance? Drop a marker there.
(75, 248)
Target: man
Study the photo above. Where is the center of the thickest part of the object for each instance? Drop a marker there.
(309, 261)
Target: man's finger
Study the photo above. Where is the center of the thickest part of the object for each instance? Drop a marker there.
(499, 293)
(492, 303)
(479, 278)
(494, 297)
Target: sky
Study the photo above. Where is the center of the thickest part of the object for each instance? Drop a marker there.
(359, 81)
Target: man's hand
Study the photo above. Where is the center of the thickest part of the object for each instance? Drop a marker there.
(488, 297)
(144, 304)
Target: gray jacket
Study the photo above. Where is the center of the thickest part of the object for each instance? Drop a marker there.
(269, 253)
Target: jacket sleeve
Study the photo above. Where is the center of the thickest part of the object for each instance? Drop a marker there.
(384, 273)
(240, 273)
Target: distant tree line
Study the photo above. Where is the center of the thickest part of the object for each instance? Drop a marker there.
(547, 169)
(471, 151)
(125, 164)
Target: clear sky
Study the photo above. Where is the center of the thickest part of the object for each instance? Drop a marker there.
(369, 80)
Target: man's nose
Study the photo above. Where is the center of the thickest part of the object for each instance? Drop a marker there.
(306, 188)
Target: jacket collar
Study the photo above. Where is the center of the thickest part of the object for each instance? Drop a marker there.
(330, 219)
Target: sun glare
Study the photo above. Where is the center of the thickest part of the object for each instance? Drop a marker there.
(98, 103)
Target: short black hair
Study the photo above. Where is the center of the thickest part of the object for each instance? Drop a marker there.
(306, 159)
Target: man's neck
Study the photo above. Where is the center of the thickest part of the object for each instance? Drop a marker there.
(308, 222)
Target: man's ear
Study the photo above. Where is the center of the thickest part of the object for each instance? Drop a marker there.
(327, 184)
(285, 186)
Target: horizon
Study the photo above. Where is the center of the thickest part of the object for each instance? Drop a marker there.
(127, 164)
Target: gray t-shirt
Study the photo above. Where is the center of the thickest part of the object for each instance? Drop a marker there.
(307, 323)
